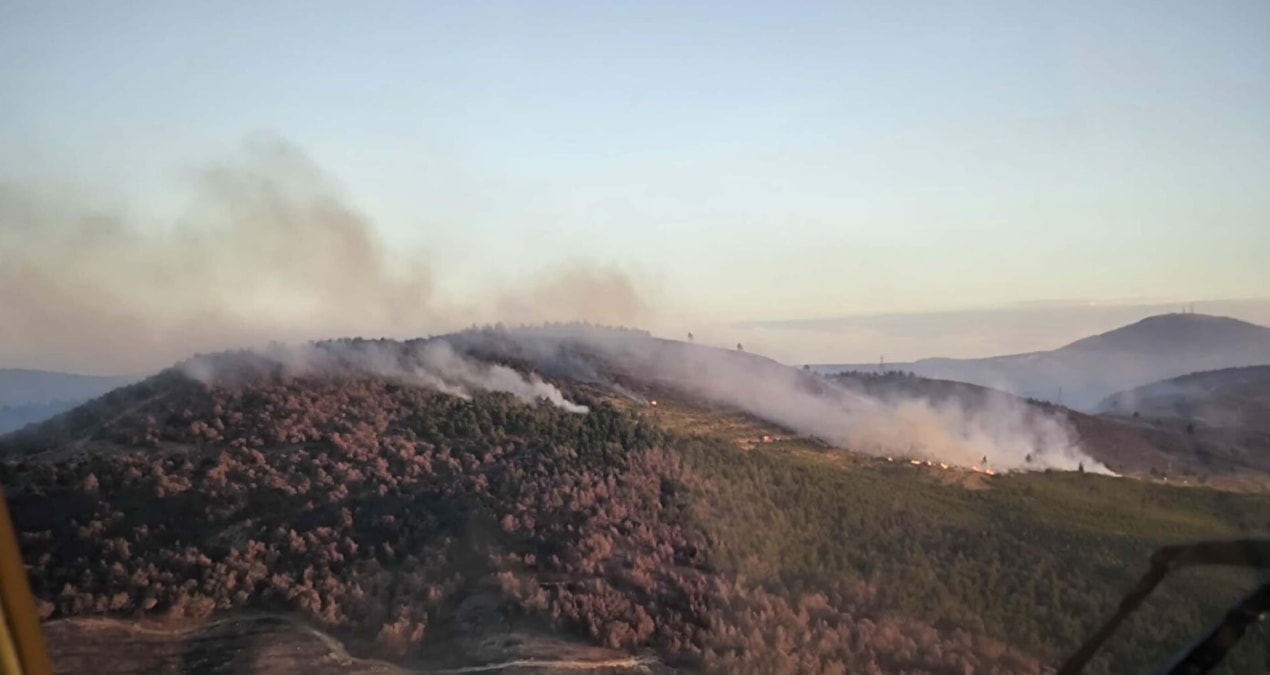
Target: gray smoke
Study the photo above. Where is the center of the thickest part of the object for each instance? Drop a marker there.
(267, 248)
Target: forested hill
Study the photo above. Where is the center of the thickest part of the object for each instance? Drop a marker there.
(385, 513)
(457, 529)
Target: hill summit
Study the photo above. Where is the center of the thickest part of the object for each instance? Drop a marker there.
(1186, 335)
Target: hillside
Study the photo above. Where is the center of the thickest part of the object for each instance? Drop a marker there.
(415, 524)
(1084, 372)
(1132, 446)
(1230, 398)
(446, 510)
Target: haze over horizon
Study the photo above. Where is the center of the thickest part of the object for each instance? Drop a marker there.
(860, 339)
(192, 177)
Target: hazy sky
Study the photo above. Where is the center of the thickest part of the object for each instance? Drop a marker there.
(747, 160)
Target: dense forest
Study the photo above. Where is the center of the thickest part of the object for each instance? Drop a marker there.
(399, 518)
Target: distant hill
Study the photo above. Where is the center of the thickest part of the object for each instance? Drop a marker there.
(1083, 373)
(19, 386)
(1228, 398)
(14, 417)
(30, 396)
(1227, 409)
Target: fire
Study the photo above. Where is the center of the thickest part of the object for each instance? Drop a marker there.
(915, 462)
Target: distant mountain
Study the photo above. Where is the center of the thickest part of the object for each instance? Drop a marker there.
(30, 396)
(1084, 372)
(20, 386)
(17, 416)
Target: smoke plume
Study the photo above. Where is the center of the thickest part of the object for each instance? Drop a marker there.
(268, 249)
(432, 365)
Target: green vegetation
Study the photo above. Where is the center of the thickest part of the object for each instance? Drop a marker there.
(1037, 561)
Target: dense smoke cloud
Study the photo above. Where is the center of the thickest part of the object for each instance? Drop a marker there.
(1006, 430)
(268, 250)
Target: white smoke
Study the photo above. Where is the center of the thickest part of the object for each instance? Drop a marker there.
(433, 365)
(438, 360)
(1009, 432)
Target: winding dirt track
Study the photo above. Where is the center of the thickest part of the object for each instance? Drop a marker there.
(336, 651)
(632, 663)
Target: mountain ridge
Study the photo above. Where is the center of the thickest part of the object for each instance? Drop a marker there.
(28, 396)
(28, 385)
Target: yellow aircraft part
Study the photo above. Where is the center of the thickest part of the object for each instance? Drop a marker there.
(22, 650)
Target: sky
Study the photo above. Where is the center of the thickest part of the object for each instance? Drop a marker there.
(735, 162)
